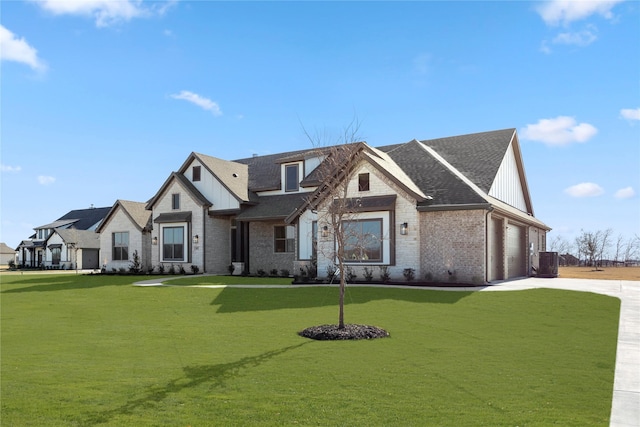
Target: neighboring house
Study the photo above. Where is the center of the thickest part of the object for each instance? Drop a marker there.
(451, 209)
(71, 248)
(33, 252)
(568, 260)
(6, 254)
(125, 231)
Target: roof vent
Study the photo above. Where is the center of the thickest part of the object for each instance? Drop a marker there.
(235, 175)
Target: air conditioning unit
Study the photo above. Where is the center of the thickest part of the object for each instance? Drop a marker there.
(548, 265)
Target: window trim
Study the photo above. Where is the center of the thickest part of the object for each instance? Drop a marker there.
(364, 181)
(289, 242)
(287, 187)
(184, 228)
(123, 249)
(380, 237)
(196, 173)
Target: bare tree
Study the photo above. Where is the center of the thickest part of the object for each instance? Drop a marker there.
(618, 249)
(331, 199)
(593, 245)
(559, 244)
(631, 248)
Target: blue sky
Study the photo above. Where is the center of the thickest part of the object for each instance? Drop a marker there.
(101, 100)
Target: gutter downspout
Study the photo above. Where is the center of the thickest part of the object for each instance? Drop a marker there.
(487, 246)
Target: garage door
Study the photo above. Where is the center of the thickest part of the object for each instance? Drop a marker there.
(516, 254)
(90, 258)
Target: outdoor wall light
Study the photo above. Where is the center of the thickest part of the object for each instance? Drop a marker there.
(404, 228)
(155, 240)
(196, 238)
(325, 231)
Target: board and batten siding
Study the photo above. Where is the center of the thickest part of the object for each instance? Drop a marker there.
(212, 189)
(508, 185)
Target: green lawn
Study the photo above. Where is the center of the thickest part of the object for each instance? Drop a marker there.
(92, 350)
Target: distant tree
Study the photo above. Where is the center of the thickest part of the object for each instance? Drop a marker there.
(631, 249)
(559, 244)
(593, 245)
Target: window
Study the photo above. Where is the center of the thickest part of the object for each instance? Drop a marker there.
(363, 240)
(175, 201)
(55, 255)
(284, 238)
(363, 182)
(173, 243)
(195, 173)
(291, 178)
(120, 250)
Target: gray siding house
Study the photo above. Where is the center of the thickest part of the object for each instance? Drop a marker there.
(452, 209)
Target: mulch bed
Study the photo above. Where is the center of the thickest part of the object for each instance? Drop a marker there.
(349, 332)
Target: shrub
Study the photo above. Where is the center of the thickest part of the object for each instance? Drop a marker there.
(385, 275)
(331, 270)
(195, 269)
(368, 274)
(261, 273)
(182, 270)
(150, 269)
(284, 272)
(122, 270)
(172, 269)
(134, 267)
(409, 274)
(12, 264)
(231, 268)
(428, 277)
(274, 272)
(161, 268)
(351, 275)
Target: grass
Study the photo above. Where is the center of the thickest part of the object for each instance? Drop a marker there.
(92, 350)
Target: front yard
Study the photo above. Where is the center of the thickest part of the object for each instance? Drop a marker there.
(94, 350)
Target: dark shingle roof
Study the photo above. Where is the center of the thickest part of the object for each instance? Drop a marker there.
(86, 218)
(273, 207)
(478, 155)
(431, 176)
(84, 239)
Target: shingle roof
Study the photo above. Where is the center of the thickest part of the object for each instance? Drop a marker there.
(478, 156)
(195, 193)
(84, 239)
(273, 207)
(431, 176)
(82, 219)
(233, 175)
(136, 211)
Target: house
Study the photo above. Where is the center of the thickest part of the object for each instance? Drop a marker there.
(71, 248)
(33, 252)
(6, 254)
(451, 209)
(124, 232)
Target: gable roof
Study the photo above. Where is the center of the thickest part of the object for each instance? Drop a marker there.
(83, 239)
(5, 249)
(135, 211)
(197, 196)
(82, 219)
(233, 176)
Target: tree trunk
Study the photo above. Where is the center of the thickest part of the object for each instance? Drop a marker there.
(341, 315)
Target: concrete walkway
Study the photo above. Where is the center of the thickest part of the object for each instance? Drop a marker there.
(625, 407)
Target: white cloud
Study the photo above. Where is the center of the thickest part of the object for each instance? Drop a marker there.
(204, 103)
(18, 50)
(556, 12)
(580, 38)
(561, 130)
(7, 168)
(630, 113)
(625, 193)
(105, 12)
(46, 180)
(584, 189)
